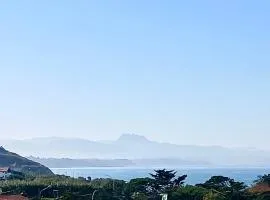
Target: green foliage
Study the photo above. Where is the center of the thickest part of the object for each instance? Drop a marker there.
(162, 181)
(223, 184)
(166, 179)
(189, 192)
(17, 176)
(214, 196)
(32, 187)
(163, 176)
(263, 196)
(138, 185)
(139, 196)
(225, 187)
(265, 179)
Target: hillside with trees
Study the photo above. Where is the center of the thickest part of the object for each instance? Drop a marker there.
(21, 164)
(162, 182)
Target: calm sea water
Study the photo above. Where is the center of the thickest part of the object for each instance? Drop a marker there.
(195, 175)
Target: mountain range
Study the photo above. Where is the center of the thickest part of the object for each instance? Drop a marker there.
(139, 148)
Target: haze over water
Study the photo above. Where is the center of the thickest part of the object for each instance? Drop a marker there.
(195, 176)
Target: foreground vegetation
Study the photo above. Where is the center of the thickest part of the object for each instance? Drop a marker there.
(161, 182)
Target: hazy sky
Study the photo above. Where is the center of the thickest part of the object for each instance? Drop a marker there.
(187, 72)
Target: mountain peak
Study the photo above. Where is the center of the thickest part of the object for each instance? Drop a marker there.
(2, 150)
(132, 138)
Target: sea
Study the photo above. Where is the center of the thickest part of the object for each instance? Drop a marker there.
(194, 175)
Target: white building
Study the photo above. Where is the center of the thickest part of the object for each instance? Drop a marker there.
(5, 172)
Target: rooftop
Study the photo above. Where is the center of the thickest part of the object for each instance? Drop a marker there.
(4, 169)
(12, 197)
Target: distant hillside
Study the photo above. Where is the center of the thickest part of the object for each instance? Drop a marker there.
(67, 162)
(8, 159)
(135, 147)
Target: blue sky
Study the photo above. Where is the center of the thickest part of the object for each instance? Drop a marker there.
(187, 72)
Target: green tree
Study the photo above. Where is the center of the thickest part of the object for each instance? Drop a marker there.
(189, 192)
(230, 188)
(222, 184)
(214, 196)
(138, 185)
(166, 179)
(263, 196)
(265, 179)
(139, 196)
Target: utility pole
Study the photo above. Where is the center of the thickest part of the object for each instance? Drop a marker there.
(93, 195)
(164, 196)
(40, 192)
